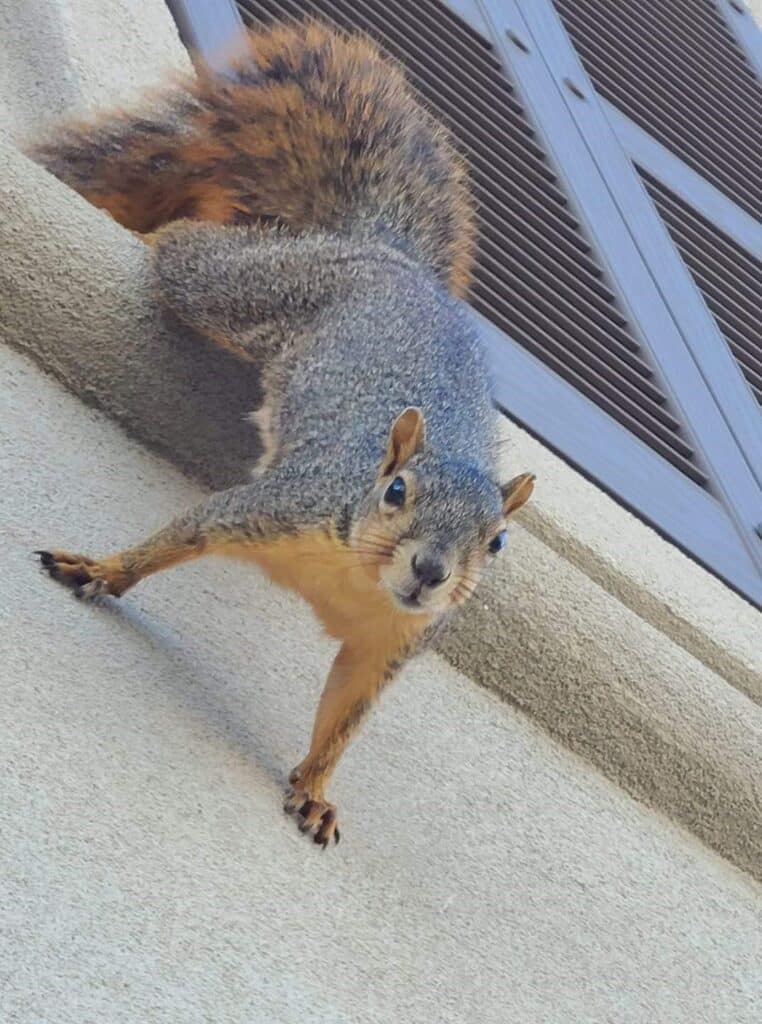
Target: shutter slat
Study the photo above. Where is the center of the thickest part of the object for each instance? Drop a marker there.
(565, 286)
(507, 224)
(560, 314)
(675, 69)
(694, 61)
(396, 14)
(707, 30)
(725, 275)
(691, 64)
(542, 259)
(741, 266)
(675, 131)
(743, 349)
(742, 316)
(508, 210)
(460, 29)
(710, 272)
(465, 94)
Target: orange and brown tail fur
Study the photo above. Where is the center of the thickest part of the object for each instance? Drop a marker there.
(314, 130)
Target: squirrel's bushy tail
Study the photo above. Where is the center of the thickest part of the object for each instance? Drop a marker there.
(315, 129)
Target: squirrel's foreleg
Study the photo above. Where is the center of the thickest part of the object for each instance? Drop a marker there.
(245, 516)
(358, 674)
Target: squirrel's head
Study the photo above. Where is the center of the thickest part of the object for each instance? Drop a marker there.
(432, 523)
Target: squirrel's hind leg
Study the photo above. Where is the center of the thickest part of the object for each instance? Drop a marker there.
(251, 289)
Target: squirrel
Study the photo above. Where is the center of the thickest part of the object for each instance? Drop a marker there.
(306, 211)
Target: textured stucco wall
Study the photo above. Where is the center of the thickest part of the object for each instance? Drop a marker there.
(63, 58)
(77, 294)
(484, 874)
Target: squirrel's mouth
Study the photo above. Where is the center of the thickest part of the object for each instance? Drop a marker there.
(411, 601)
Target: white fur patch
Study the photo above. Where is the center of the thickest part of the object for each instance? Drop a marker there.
(262, 419)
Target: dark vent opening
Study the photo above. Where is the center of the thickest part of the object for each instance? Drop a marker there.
(674, 67)
(536, 276)
(729, 277)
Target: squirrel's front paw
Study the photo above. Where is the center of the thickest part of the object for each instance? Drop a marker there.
(86, 577)
(313, 815)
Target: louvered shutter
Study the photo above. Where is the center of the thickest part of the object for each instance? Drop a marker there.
(673, 121)
(570, 313)
(686, 105)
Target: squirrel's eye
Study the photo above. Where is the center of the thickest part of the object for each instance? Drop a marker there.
(395, 492)
(498, 542)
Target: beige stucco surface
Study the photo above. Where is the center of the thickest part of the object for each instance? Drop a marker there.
(484, 873)
(633, 564)
(63, 58)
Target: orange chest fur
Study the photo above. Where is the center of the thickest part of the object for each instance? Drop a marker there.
(339, 584)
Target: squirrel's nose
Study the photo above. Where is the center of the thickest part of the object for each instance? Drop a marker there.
(429, 570)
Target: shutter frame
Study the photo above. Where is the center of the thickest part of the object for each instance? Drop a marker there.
(721, 411)
(209, 29)
(696, 190)
(741, 23)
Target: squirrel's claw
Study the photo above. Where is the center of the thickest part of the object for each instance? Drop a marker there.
(74, 571)
(84, 576)
(316, 816)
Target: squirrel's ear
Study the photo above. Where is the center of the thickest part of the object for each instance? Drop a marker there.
(406, 437)
(517, 492)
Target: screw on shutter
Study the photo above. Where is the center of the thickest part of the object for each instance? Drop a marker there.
(572, 86)
(516, 39)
